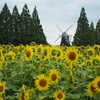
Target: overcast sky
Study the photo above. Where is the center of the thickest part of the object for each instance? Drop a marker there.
(62, 13)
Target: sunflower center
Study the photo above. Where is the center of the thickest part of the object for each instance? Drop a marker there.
(92, 88)
(1, 88)
(43, 82)
(59, 95)
(54, 77)
(28, 54)
(99, 84)
(72, 55)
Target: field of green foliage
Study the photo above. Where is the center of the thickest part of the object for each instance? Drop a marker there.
(49, 72)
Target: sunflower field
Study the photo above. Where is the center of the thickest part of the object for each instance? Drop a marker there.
(49, 72)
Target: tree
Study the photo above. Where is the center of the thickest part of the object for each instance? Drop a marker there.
(21, 28)
(98, 32)
(92, 34)
(39, 36)
(82, 36)
(5, 25)
(16, 26)
(25, 25)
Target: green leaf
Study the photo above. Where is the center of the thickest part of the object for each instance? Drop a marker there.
(97, 96)
(1, 76)
(73, 96)
(13, 73)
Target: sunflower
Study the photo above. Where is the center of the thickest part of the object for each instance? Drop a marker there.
(42, 83)
(1, 98)
(26, 93)
(91, 89)
(24, 96)
(45, 54)
(97, 57)
(23, 88)
(29, 53)
(2, 87)
(96, 60)
(88, 63)
(53, 51)
(99, 47)
(11, 54)
(90, 52)
(56, 52)
(40, 49)
(72, 55)
(31, 92)
(1, 65)
(54, 75)
(59, 95)
(1, 55)
(97, 83)
(96, 47)
(32, 44)
(16, 49)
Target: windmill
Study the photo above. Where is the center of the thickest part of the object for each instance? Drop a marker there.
(65, 38)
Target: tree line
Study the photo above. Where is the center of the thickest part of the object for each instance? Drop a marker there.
(21, 28)
(86, 34)
(24, 28)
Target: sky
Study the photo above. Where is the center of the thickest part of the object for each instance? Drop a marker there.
(61, 13)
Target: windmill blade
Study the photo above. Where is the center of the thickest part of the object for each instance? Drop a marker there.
(68, 28)
(58, 38)
(59, 29)
(62, 32)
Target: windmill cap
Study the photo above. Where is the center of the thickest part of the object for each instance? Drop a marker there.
(65, 34)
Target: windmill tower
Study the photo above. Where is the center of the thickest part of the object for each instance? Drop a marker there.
(65, 38)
